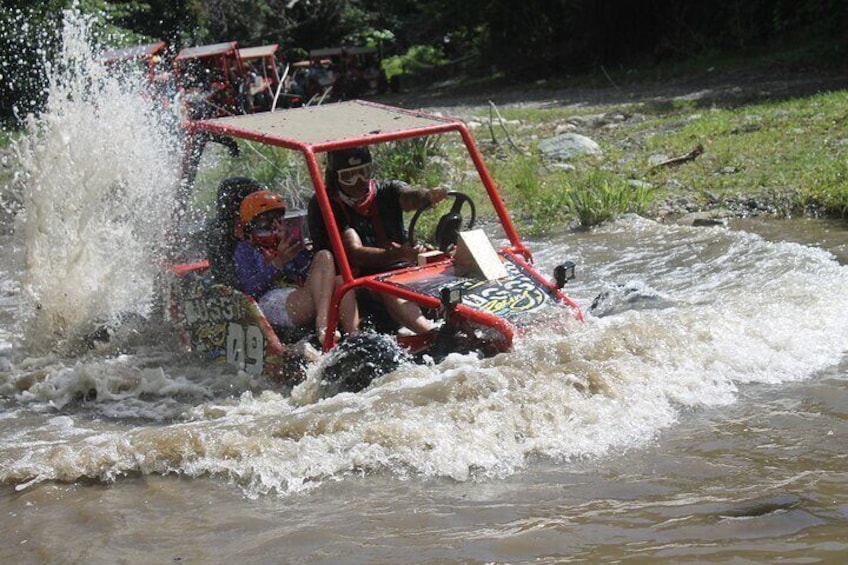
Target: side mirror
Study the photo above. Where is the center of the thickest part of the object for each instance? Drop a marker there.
(563, 273)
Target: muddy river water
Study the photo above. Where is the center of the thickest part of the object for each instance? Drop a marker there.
(698, 415)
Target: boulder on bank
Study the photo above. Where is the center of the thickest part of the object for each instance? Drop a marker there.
(567, 146)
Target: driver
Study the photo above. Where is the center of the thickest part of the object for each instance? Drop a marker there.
(369, 215)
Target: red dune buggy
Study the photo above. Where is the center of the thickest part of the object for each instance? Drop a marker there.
(477, 294)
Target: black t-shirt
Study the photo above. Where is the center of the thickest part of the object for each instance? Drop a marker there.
(383, 225)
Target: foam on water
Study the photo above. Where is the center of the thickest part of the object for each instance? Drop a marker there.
(100, 174)
(741, 311)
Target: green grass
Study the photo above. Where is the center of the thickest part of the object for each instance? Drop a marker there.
(602, 196)
(545, 199)
(283, 171)
(791, 154)
(416, 161)
(796, 148)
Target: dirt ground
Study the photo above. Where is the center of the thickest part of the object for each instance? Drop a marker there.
(709, 88)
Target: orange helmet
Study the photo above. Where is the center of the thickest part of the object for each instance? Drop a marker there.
(259, 202)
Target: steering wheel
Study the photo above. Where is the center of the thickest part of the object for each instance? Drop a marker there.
(447, 230)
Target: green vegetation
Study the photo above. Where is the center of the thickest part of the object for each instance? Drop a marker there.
(792, 153)
(415, 161)
(284, 171)
(545, 197)
(787, 157)
(603, 196)
(416, 58)
(440, 39)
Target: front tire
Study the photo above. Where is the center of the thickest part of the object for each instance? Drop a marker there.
(358, 360)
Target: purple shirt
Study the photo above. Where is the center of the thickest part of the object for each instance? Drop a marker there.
(257, 276)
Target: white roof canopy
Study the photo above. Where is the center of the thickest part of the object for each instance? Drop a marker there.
(206, 50)
(257, 52)
(330, 124)
(136, 52)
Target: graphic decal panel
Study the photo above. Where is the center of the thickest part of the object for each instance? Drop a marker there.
(517, 294)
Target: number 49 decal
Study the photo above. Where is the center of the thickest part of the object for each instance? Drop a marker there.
(246, 347)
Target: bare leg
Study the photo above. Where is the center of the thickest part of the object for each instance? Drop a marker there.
(348, 310)
(312, 301)
(407, 313)
(322, 282)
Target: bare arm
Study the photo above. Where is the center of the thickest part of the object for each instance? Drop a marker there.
(414, 198)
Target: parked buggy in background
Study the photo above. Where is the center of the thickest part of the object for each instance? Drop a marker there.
(478, 297)
(150, 59)
(360, 72)
(211, 80)
(269, 84)
(315, 79)
(341, 73)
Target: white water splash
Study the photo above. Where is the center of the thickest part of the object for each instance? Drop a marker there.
(736, 311)
(100, 176)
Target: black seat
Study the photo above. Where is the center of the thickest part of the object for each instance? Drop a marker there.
(220, 233)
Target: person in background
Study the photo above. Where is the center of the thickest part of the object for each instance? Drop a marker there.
(369, 215)
(292, 286)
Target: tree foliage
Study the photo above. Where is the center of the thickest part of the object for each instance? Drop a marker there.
(532, 37)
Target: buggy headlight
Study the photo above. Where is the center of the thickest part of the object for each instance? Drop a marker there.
(450, 296)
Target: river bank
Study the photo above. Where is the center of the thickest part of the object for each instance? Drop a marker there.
(757, 140)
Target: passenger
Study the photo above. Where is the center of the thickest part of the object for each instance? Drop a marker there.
(292, 286)
(369, 215)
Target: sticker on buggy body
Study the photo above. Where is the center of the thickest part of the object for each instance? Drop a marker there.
(516, 294)
(246, 347)
(222, 324)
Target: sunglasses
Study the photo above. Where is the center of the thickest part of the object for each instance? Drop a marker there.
(353, 175)
(267, 223)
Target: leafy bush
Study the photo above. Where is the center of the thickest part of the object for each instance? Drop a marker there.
(416, 57)
(417, 161)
